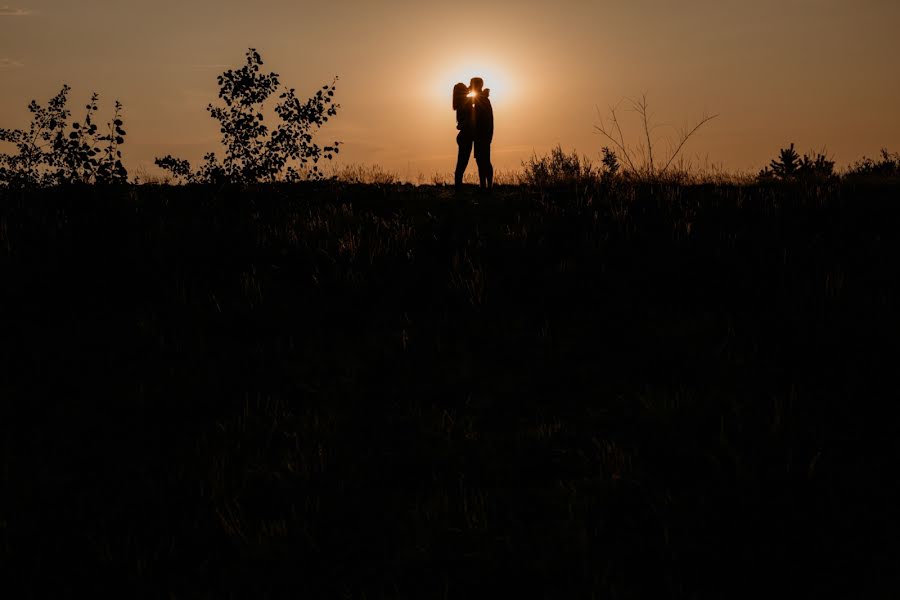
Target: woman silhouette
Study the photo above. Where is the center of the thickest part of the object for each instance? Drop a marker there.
(465, 123)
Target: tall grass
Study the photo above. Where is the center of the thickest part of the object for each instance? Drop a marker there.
(639, 389)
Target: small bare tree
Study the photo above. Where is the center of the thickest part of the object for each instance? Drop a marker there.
(642, 160)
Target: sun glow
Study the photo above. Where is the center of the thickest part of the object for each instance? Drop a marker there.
(501, 81)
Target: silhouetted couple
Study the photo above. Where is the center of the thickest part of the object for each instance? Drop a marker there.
(475, 121)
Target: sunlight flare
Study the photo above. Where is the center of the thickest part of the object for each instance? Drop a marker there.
(501, 80)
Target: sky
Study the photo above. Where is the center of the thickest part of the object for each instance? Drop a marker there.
(819, 73)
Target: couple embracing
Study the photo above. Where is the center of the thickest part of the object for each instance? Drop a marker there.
(475, 122)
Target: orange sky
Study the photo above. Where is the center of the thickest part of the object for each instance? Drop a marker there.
(814, 72)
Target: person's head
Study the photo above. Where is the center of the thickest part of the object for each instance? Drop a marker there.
(477, 84)
(459, 95)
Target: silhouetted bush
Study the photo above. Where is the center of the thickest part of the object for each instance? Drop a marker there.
(886, 166)
(558, 168)
(50, 153)
(818, 167)
(610, 162)
(784, 167)
(253, 153)
(791, 166)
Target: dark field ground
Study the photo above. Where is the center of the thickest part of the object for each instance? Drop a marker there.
(334, 391)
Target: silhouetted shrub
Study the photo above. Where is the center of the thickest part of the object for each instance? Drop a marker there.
(818, 167)
(253, 152)
(785, 166)
(558, 168)
(610, 162)
(50, 153)
(791, 166)
(886, 166)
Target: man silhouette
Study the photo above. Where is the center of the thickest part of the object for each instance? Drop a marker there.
(475, 121)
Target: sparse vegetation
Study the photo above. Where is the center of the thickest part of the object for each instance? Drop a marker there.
(887, 166)
(253, 152)
(642, 159)
(789, 166)
(558, 168)
(365, 174)
(50, 152)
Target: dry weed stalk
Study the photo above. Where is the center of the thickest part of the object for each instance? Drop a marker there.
(611, 129)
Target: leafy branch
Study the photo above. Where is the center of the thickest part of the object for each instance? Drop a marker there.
(253, 152)
(50, 153)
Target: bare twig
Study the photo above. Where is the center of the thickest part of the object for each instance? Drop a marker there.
(613, 132)
(685, 136)
(616, 128)
(640, 107)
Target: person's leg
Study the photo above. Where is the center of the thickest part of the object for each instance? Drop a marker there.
(485, 169)
(479, 160)
(489, 166)
(462, 159)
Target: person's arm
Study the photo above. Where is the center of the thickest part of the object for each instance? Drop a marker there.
(491, 122)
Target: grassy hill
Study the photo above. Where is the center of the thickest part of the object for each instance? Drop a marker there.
(367, 391)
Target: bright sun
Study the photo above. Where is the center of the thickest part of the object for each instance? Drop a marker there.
(500, 81)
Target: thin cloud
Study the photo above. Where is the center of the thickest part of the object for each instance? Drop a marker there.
(8, 11)
(8, 64)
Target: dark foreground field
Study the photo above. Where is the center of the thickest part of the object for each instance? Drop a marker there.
(371, 392)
